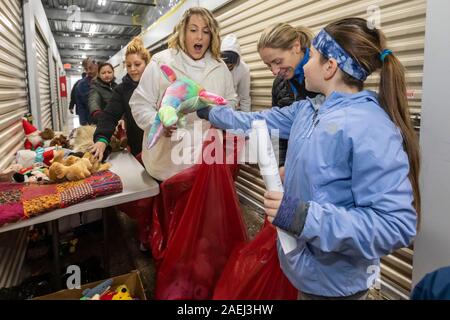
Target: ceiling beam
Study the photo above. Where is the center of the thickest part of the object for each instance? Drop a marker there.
(92, 17)
(135, 3)
(72, 61)
(91, 41)
(81, 33)
(88, 53)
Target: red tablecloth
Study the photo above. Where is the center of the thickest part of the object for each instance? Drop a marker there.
(20, 201)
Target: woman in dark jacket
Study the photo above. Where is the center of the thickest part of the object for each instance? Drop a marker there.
(118, 114)
(101, 90)
(285, 50)
(136, 59)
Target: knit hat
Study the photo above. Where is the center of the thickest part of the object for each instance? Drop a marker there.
(28, 128)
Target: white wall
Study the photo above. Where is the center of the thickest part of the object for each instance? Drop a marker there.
(71, 80)
(432, 246)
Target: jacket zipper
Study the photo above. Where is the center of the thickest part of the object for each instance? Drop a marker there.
(314, 123)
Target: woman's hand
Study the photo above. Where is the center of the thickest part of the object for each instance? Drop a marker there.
(97, 149)
(168, 131)
(272, 201)
(120, 126)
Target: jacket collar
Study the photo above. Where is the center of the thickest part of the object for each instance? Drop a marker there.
(340, 99)
(207, 63)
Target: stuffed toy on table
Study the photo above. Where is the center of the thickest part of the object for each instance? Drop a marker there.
(183, 96)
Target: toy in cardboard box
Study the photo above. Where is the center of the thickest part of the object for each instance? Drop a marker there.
(183, 96)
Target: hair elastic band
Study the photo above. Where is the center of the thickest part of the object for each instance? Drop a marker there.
(384, 54)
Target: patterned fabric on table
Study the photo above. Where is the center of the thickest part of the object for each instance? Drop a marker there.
(21, 201)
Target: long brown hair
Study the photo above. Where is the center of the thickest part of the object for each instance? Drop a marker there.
(176, 40)
(365, 44)
(283, 36)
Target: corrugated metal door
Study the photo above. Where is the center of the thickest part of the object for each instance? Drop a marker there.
(54, 96)
(13, 84)
(403, 21)
(44, 80)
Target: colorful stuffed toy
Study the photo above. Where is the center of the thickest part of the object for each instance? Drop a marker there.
(183, 96)
(28, 158)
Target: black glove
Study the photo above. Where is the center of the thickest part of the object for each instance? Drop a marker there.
(204, 113)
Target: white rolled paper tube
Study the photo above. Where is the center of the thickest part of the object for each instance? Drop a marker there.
(269, 171)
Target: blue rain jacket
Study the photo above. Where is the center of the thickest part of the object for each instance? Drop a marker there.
(346, 160)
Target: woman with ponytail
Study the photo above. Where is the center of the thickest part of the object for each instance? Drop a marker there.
(352, 169)
(285, 50)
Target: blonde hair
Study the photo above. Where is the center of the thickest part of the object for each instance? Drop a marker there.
(136, 46)
(177, 39)
(283, 36)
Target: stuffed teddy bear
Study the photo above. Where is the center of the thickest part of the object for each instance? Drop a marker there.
(74, 168)
(47, 134)
(83, 138)
(33, 139)
(77, 171)
(61, 141)
(183, 96)
(97, 166)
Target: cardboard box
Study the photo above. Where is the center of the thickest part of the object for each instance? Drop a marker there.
(132, 280)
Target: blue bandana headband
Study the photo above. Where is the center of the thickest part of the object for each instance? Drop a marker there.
(329, 48)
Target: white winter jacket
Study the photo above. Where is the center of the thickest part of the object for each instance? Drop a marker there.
(172, 155)
(240, 73)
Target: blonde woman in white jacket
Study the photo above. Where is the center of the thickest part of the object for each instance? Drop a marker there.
(194, 51)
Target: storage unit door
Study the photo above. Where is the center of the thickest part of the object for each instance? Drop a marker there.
(13, 84)
(44, 81)
(403, 21)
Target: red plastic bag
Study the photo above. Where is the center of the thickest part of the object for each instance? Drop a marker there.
(170, 203)
(200, 234)
(253, 272)
(168, 207)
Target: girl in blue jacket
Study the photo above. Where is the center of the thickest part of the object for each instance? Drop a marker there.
(351, 181)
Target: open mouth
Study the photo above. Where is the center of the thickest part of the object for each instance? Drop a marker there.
(198, 48)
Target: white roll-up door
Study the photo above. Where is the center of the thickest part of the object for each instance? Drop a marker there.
(403, 21)
(44, 80)
(13, 84)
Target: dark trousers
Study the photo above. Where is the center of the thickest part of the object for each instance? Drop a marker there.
(83, 115)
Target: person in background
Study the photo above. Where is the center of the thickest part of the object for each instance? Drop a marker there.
(101, 90)
(116, 117)
(72, 103)
(351, 182)
(231, 55)
(285, 50)
(82, 91)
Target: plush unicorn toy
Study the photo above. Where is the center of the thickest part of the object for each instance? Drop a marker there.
(183, 96)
